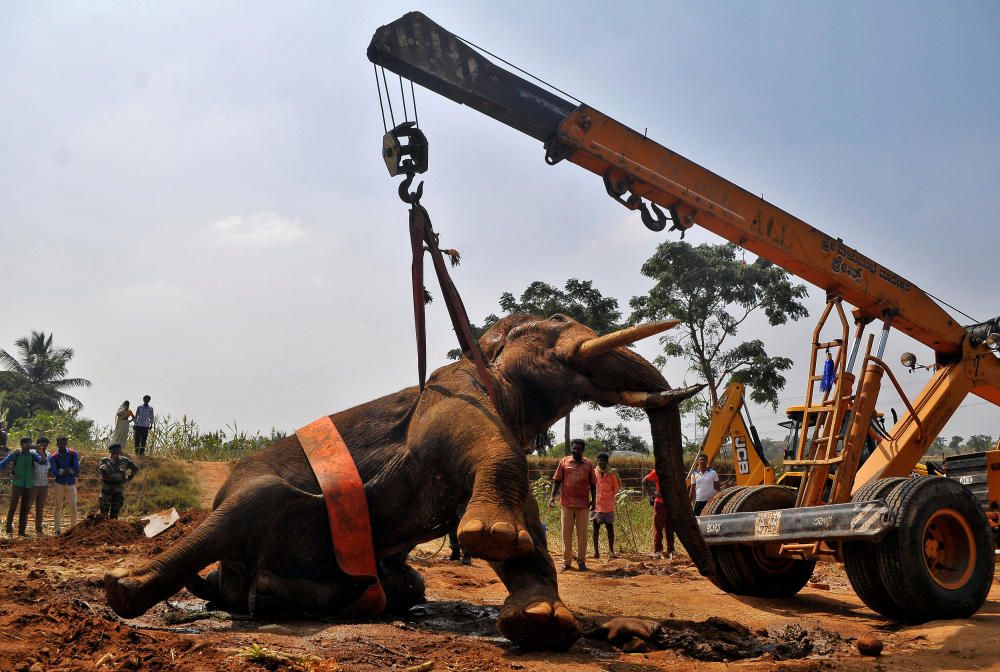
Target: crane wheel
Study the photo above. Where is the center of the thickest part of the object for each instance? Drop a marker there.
(749, 568)
(860, 561)
(938, 561)
(715, 506)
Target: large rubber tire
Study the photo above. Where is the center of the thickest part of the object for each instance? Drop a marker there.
(746, 567)
(712, 508)
(861, 561)
(939, 560)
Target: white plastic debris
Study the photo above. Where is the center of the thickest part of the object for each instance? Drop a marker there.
(158, 522)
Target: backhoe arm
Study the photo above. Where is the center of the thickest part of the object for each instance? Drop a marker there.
(750, 466)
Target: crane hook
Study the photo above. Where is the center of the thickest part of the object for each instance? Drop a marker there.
(657, 223)
(676, 225)
(406, 195)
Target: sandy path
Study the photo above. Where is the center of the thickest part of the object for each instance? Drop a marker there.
(209, 477)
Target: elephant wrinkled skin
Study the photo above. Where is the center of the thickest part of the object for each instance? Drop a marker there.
(426, 460)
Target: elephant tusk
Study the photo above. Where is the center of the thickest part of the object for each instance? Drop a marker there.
(608, 342)
(658, 399)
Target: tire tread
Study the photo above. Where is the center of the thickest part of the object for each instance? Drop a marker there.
(900, 563)
(738, 563)
(861, 563)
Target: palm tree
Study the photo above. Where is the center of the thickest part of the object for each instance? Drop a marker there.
(34, 381)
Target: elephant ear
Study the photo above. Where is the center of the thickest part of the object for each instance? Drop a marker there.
(493, 341)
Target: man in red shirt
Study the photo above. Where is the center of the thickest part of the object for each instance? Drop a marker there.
(608, 487)
(575, 479)
(661, 521)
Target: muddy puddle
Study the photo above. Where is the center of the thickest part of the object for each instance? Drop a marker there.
(718, 639)
(460, 618)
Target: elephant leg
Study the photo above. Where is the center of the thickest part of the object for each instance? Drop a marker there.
(493, 527)
(533, 616)
(403, 585)
(226, 587)
(205, 588)
(238, 519)
(274, 595)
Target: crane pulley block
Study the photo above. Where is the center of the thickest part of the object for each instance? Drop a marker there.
(406, 158)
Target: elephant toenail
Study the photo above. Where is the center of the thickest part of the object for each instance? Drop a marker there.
(564, 615)
(504, 530)
(524, 542)
(539, 609)
(474, 526)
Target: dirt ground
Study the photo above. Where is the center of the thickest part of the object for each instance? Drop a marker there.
(209, 476)
(53, 618)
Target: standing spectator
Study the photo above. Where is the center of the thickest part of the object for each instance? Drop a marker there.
(21, 485)
(3, 440)
(40, 492)
(115, 471)
(65, 466)
(143, 423)
(704, 484)
(608, 487)
(661, 521)
(122, 417)
(575, 478)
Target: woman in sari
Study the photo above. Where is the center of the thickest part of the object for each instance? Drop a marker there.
(122, 417)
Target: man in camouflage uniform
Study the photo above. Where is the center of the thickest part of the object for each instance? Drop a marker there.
(115, 470)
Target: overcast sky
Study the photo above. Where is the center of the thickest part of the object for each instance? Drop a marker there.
(192, 196)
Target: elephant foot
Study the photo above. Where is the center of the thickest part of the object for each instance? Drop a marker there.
(493, 533)
(538, 623)
(124, 594)
(404, 588)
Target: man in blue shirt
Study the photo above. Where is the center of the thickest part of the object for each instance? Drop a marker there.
(142, 424)
(21, 485)
(65, 466)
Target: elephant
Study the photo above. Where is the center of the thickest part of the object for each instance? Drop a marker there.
(427, 459)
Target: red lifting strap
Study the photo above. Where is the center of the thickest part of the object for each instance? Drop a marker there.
(346, 507)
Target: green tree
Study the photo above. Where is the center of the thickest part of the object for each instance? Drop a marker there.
(955, 445)
(578, 299)
(713, 292)
(52, 424)
(618, 437)
(938, 446)
(35, 380)
(977, 443)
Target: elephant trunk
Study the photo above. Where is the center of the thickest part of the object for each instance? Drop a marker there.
(131, 594)
(667, 448)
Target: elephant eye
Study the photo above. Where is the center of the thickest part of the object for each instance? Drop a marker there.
(559, 317)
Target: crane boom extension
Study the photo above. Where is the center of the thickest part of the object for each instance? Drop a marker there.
(630, 163)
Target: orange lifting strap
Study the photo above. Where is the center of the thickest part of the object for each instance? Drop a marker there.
(346, 507)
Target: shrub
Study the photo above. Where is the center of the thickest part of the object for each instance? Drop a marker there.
(161, 484)
(52, 424)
